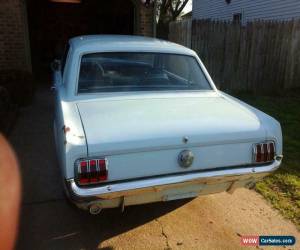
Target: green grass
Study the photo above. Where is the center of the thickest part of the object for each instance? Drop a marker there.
(282, 188)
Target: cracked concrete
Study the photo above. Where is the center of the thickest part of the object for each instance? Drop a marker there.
(48, 221)
(164, 234)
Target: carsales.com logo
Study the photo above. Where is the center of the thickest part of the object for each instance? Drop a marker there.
(255, 240)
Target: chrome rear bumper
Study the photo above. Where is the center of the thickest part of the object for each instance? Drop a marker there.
(199, 182)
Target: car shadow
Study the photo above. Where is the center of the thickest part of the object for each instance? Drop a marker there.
(60, 225)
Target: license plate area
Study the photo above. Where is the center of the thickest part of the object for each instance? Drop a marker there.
(171, 197)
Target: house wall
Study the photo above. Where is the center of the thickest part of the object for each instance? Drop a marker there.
(250, 9)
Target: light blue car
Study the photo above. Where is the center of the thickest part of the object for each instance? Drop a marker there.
(139, 120)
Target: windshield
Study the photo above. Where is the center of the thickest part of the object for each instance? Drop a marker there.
(117, 72)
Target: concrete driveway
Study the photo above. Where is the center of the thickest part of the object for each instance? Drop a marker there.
(48, 221)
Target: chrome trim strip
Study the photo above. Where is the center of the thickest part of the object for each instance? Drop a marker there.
(81, 192)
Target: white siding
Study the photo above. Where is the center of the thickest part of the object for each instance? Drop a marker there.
(250, 9)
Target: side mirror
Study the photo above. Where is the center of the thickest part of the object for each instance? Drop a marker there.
(56, 65)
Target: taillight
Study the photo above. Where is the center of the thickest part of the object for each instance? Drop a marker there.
(91, 171)
(264, 152)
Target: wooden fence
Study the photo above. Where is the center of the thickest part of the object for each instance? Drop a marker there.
(181, 32)
(259, 57)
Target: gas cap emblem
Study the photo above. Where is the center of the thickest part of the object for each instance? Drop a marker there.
(186, 158)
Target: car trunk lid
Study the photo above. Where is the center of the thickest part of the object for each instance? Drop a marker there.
(143, 136)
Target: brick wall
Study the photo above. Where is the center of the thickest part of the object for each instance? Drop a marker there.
(146, 21)
(13, 43)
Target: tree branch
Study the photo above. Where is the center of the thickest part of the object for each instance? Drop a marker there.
(179, 8)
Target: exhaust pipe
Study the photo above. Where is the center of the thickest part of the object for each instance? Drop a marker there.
(95, 209)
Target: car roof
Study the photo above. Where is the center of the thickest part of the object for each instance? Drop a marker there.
(114, 43)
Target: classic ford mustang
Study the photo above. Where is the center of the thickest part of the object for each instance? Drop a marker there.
(139, 120)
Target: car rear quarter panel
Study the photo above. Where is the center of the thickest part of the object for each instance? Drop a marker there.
(272, 126)
(71, 144)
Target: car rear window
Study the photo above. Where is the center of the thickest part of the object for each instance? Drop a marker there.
(123, 72)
